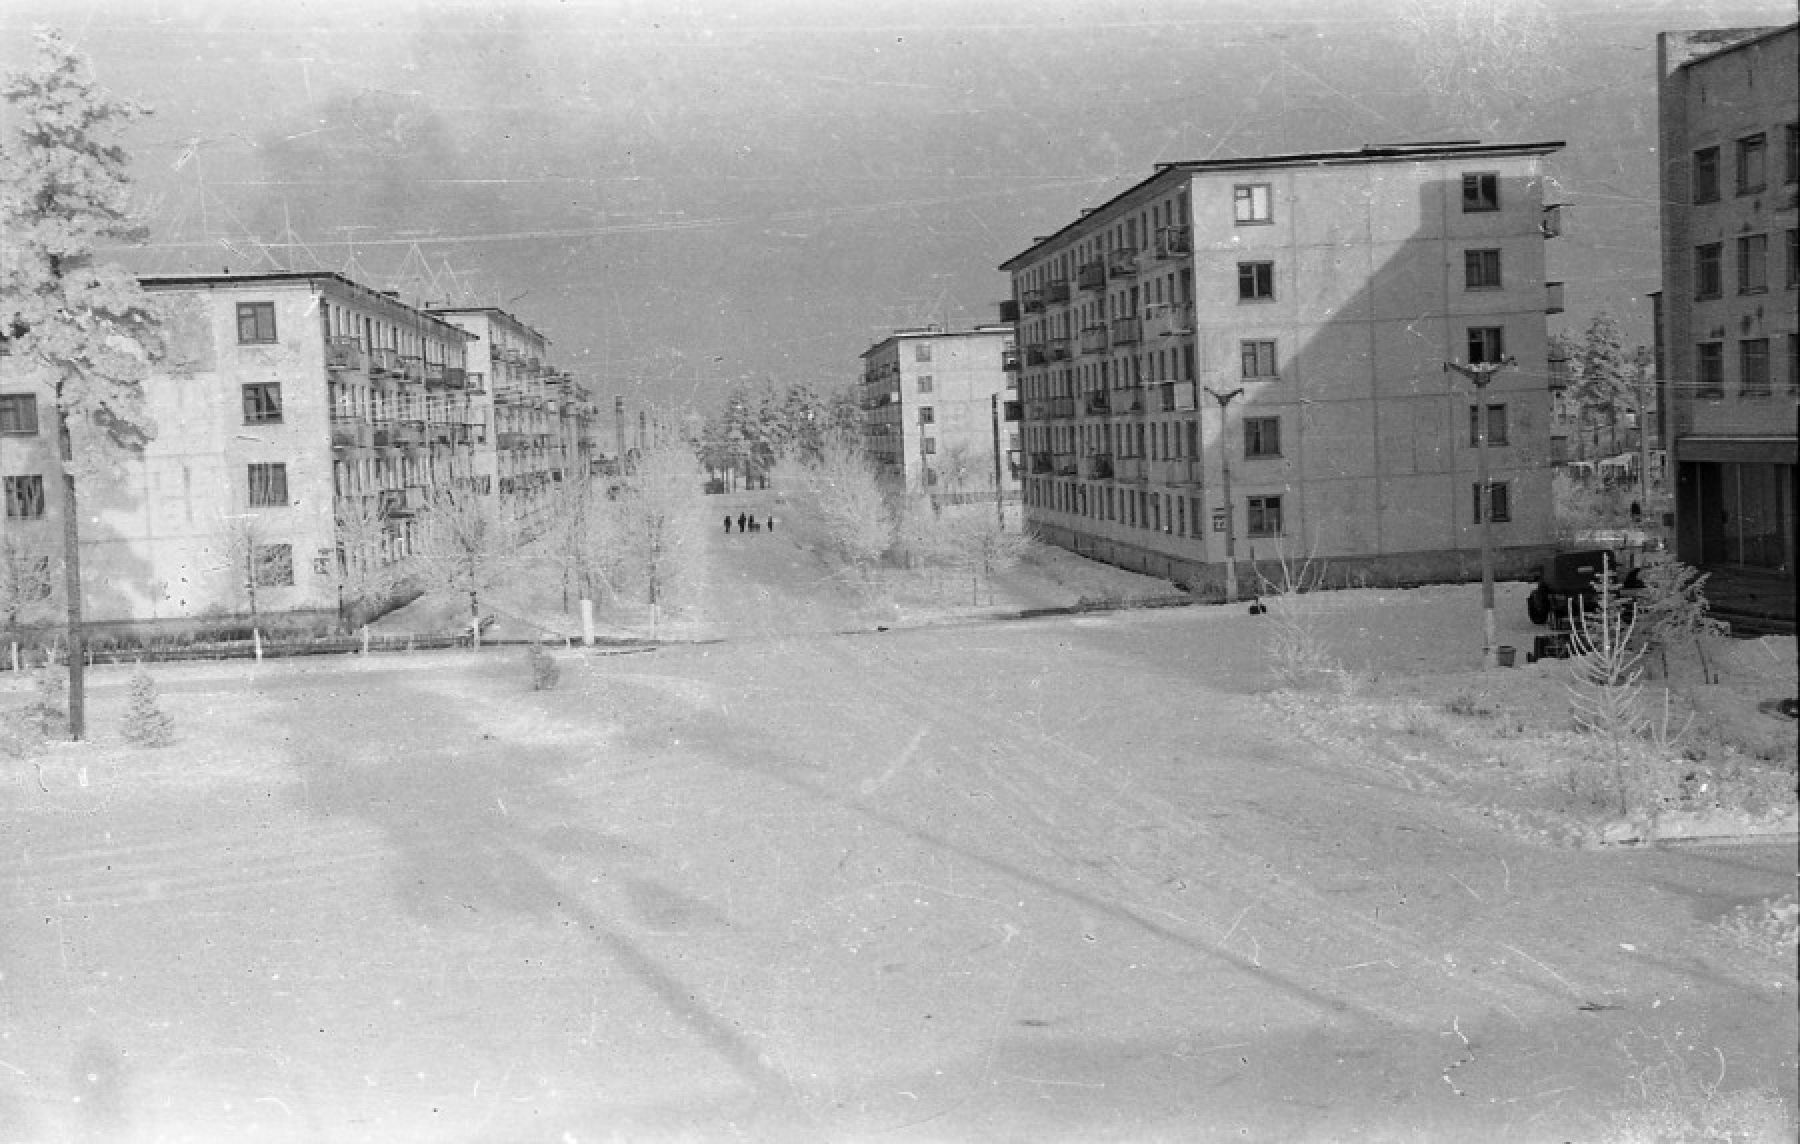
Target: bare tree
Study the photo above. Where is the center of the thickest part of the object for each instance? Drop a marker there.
(254, 562)
(27, 581)
(663, 521)
(368, 568)
(469, 544)
(85, 328)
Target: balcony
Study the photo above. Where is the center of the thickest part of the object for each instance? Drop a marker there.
(1009, 360)
(1032, 301)
(1126, 331)
(349, 431)
(1093, 340)
(412, 368)
(1058, 349)
(1098, 402)
(1129, 400)
(1170, 320)
(1036, 355)
(409, 432)
(384, 362)
(1062, 407)
(1041, 465)
(1174, 242)
(1067, 466)
(1100, 467)
(1176, 396)
(1553, 297)
(1092, 276)
(1009, 310)
(1058, 293)
(476, 382)
(343, 353)
(1130, 469)
(1123, 262)
(1009, 410)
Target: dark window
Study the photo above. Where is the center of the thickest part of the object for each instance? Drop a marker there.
(1793, 343)
(18, 415)
(1259, 359)
(1753, 263)
(256, 322)
(1496, 425)
(268, 486)
(1262, 436)
(1706, 175)
(928, 445)
(262, 402)
(925, 383)
(1753, 367)
(1251, 204)
(1709, 369)
(1793, 258)
(1709, 270)
(1790, 164)
(1752, 164)
(1256, 281)
(24, 498)
(1487, 344)
(1480, 192)
(921, 351)
(926, 416)
(1499, 502)
(1265, 516)
(273, 565)
(1481, 270)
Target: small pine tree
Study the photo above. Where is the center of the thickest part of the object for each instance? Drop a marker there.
(1675, 608)
(544, 670)
(146, 723)
(1606, 692)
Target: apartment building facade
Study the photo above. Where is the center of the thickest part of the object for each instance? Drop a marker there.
(283, 401)
(1729, 102)
(930, 398)
(1249, 357)
(544, 422)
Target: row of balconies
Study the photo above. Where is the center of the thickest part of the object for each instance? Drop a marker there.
(1123, 469)
(1161, 320)
(1156, 397)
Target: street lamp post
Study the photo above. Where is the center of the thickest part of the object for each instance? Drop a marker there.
(1225, 399)
(1482, 373)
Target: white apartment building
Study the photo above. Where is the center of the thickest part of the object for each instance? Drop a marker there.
(940, 409)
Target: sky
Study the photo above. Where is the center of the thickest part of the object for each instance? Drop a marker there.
(687, 195)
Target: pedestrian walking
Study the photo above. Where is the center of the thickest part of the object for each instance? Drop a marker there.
(771, 524)
(740, 522)
(728, 526)
(753, 525)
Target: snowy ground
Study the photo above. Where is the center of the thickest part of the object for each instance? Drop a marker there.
(1095, 877)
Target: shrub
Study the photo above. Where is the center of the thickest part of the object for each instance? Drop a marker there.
(544, 670)
(146, 723)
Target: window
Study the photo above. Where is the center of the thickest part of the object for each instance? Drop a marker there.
(268, 486)
(256, 322)
(1262, 437)
(24, 498)
(1481, 270)
(1709, 270)
(926, 416)
(924, 383)
(928, 445)
(1706, 175)
(1753, 367)
(1790, 163)
(1480, 192)
(1709, 369)
(1499, 502)
(1752, 164)
(1259, 359)
(1496, 425)
(1250, 204)
(1256, 281)
(1265, 516)
(262, 402)
(273, 565)
(18, 415)
(1793, 341)
(1793, 258)
(921, 351)
(1487, 344)
(1753, 263)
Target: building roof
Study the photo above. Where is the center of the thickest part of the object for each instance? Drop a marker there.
(492, 311)
(1373, 153)
(1711, 43)
(228, 280)
(984, 331)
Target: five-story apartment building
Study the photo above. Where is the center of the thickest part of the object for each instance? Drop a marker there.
(930, 399)
(1253, 353)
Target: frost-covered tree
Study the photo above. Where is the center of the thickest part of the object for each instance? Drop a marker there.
(27, 579)
(368, 569)
(469, 543)
(662, 522)
(83, 327)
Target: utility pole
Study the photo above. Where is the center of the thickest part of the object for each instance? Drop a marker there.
(1646, 363)
(999, 500)
(1481, 374)
(1225, 399)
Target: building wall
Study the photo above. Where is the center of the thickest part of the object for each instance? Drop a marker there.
(1733, 442)
(954, 378)
(1368, 303)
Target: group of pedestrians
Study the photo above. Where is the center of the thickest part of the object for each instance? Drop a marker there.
(747, 522)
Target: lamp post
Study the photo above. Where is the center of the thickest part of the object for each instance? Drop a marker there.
(1482, 373)
(1225, 399)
